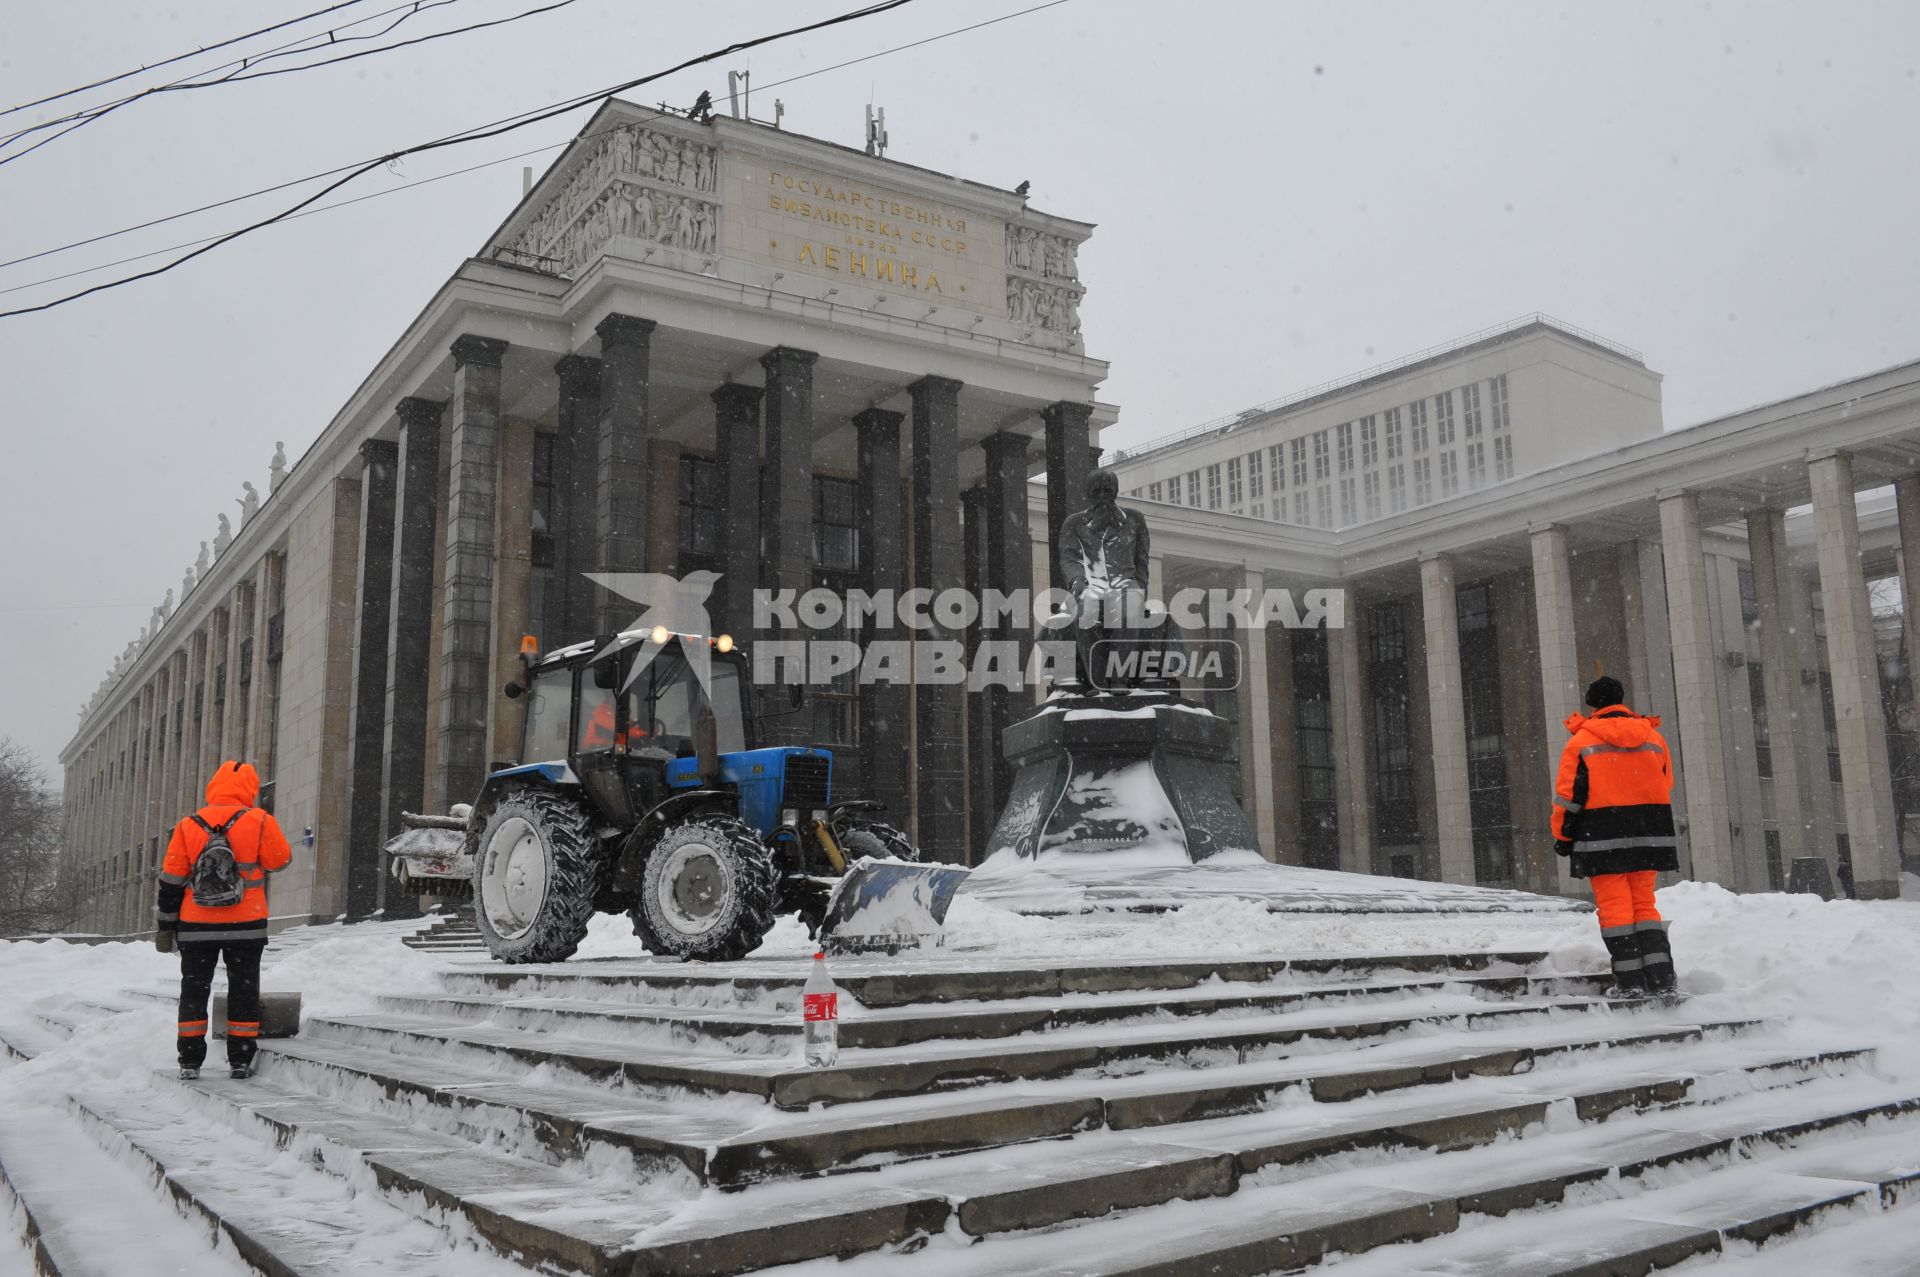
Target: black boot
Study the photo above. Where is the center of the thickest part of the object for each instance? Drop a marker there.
(1656, 959)
(1629, 974)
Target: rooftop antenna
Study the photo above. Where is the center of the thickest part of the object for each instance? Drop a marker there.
(779, 110)
(876, 130)
(526, 180)
(740, 94)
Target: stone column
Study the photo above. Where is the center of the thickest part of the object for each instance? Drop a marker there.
(233, 729)
(884, 738)
(937, 566)
(473, 443)
(1069, 463)
(263, 698)
(1780, 668)
(1347, 682)
(1865, 773)
(663, 506)
(366, 733)
(1440, 614)
(983, 795)
(1283, 724)
(786, 496)
(736, 434)
(170, 779)
(1560, 686)
(219, 675)
(513, 584)
(620, 500)
(577, 483)
(404, 710)
(1906, 495)
(1009, 569)
(1259, 725)
(194, 782)
(1696, 676)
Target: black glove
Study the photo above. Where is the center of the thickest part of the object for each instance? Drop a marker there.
(1563, 846)
(163, 941)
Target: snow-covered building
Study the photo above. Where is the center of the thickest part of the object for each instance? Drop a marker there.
(693, 345)
(1743, 577)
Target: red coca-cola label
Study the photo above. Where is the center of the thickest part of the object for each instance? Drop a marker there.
(822, 1006)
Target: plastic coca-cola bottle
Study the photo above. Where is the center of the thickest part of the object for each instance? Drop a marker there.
(821, 1007)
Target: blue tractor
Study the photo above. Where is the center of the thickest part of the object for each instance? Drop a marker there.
(641, 797)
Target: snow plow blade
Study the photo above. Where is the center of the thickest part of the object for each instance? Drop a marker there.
(427, 854)
(884, 906)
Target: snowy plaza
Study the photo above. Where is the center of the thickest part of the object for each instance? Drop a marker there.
(1047, 640)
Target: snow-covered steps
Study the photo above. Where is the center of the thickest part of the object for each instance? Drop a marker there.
(448, 933)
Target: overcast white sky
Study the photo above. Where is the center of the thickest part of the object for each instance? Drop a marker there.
(1285, 193)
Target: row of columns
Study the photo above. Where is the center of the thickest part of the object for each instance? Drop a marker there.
(148, 765)
(407, 751)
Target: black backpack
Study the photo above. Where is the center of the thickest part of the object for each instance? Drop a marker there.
(215, 879)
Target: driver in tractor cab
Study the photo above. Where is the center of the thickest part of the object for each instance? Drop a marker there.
(600, 732)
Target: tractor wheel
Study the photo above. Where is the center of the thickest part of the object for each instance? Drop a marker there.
(535, 876)
(864, 836)
(707, 891)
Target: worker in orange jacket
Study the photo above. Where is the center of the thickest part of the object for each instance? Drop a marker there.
(1613, 819)
(236, 932)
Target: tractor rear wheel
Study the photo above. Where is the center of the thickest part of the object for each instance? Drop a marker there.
(707, 892)
(535, 876)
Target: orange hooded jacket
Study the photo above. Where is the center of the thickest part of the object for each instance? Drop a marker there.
(1613, 795)
(259, 848)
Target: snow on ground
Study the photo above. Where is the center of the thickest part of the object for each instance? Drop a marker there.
(1823, 971)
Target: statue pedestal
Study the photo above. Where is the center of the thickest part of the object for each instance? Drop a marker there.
(1146, 771)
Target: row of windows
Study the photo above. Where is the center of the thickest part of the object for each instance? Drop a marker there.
(1309, 462)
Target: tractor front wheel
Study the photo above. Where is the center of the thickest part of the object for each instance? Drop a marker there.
(707, 892)
(535, 877)
(864, 836)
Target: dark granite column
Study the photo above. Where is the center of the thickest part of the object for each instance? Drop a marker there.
(1069, 462)
(366, 732)
(466, 639)
(786, 497)
(983, 803)
(1009, 568)
(883, 565)
(937, 566)
(409, 614)
(577, 480)
(736, 442)
(620, 500)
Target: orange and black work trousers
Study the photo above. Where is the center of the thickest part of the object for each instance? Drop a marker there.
(1632, 930)
(197, 961)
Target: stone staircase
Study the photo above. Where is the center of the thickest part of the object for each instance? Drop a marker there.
(632, 1117)
(453, 932)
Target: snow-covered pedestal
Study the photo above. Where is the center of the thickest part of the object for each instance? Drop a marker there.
(1146, 772)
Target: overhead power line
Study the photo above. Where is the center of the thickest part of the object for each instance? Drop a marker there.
(245, 68)
(481, 132)
(180, 57)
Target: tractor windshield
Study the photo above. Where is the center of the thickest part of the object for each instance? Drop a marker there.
(549, 705)
(666, 699)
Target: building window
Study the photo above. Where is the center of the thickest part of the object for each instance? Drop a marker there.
(1757, 697)
(1213, 486)
(1487, 799)
(836, 525)
(1193, 487)
(1397, 488)
(1422, 480)
(1749, 598)
(1313, 748)
(1323, 506)
(1370, 491)
(1277, 463)
(1776, 875)
(1236, 491)
(1503, 456)
(1300, 508)
(1153, 492)
(1259, 509)
(1832, 725)
(1320, 470)
(1369, 442)
(1470, 409)
(1256, 481)
(1347, 511)
(1443, 418)
(1449, 473)
(1389, 720)
(1501, 422)
(1394, 440)
(1476, 464)
(1343, 440)
(1417, 425)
